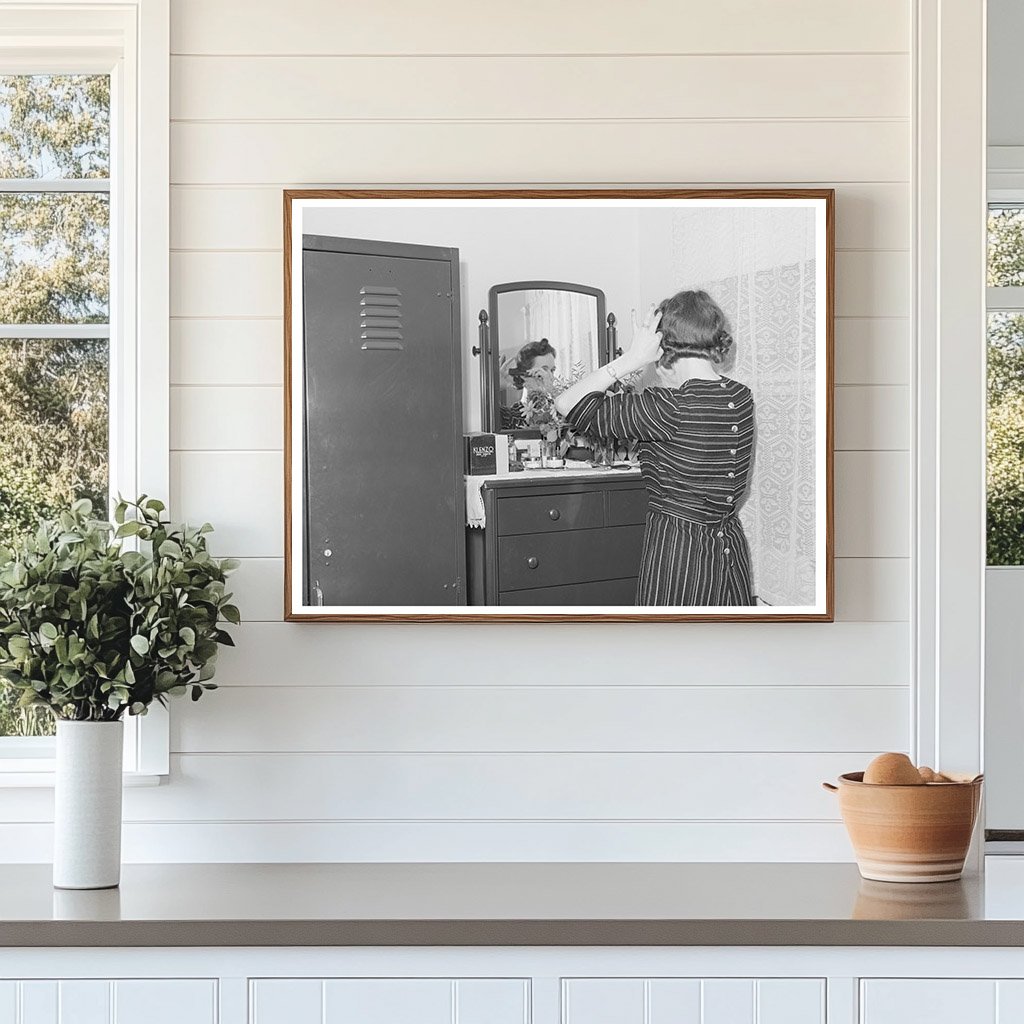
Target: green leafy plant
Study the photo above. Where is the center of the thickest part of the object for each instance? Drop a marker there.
(91, 630)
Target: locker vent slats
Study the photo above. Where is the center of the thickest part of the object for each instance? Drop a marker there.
(380, 318)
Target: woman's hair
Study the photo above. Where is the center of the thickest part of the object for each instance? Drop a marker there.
(525, 358)
(693, 324)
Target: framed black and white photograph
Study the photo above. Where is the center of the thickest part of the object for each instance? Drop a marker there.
(558, 405)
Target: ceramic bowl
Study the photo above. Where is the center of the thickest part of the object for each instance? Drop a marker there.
(909, 833)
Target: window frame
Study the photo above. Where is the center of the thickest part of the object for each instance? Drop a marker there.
(130, 41)
(1004, 298)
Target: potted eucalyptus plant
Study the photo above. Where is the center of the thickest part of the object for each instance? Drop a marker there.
(99, 620)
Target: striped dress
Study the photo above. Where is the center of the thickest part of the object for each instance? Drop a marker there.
(696, 445)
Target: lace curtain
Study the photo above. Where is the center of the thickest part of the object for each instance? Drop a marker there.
(769, 298)
(568, 320)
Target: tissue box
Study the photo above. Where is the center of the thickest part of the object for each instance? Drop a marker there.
(486, 454)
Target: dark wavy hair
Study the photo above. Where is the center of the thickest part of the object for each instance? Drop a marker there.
(525, 358)
(693, 324)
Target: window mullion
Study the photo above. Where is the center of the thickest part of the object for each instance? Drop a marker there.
(54, 185)
(1005, 299)
(63, 332)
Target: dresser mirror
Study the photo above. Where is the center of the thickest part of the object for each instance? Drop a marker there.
(539, 333)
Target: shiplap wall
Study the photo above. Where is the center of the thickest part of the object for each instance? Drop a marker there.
(681, 741)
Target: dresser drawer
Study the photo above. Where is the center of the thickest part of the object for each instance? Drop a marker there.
(576, 556)
(626, 508)
(602, 593)
(545, 513)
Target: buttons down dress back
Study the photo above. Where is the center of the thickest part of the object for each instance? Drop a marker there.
(696, 446)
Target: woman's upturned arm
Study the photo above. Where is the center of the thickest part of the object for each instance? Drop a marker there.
(646, 348)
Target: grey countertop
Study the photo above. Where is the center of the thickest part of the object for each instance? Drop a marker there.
(504, 904)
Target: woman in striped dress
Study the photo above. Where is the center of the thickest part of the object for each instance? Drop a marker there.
(695, 438)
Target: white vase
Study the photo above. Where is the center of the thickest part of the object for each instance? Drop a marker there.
(87, 805)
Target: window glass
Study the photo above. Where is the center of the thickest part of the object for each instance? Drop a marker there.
(54, 257)
(54, 127)
(1005, 485)
(54, 279)
(1006, 246)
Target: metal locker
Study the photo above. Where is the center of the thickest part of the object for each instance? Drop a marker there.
(384, 490)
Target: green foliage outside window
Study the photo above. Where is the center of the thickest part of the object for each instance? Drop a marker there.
(1005, 485)
(54, 270)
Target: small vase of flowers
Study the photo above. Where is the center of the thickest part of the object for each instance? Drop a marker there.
(93, 631)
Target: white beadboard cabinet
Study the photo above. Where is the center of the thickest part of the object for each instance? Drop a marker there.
(942, 1001)
(105, 1001)
(389, 1001)
(693, 1001)
(513, 985)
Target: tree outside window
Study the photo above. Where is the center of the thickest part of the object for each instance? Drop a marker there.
(54, 307)
(1005, 497)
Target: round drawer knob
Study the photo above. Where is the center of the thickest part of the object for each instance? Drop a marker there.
(532, 562)
(554, 514)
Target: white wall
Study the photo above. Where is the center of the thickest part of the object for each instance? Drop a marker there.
(677, 741)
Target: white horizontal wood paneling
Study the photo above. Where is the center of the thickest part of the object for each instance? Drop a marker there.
(872, 504)
(241, 493)
(545, 718)
(157, 842)
(542, 151)
(258, 587)
(868, 216)
(225, 352)
(215, 418)
(872, 589)
(732, 26)
(205, 284)
(843, 654)
(872, 283)
(332, 88)
(870, 418)
(867, 589)
(485, 787)
(693, 1001)
(872, 350)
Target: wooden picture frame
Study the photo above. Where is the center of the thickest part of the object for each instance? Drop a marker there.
(297, 204)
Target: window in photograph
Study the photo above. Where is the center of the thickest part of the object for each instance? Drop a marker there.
(54, 309)
(1005, 498)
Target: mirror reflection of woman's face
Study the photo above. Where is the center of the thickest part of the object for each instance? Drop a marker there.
(542, 370)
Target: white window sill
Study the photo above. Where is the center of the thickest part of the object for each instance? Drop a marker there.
(35, 776)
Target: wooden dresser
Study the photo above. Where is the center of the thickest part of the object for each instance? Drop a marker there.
(564, 539)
